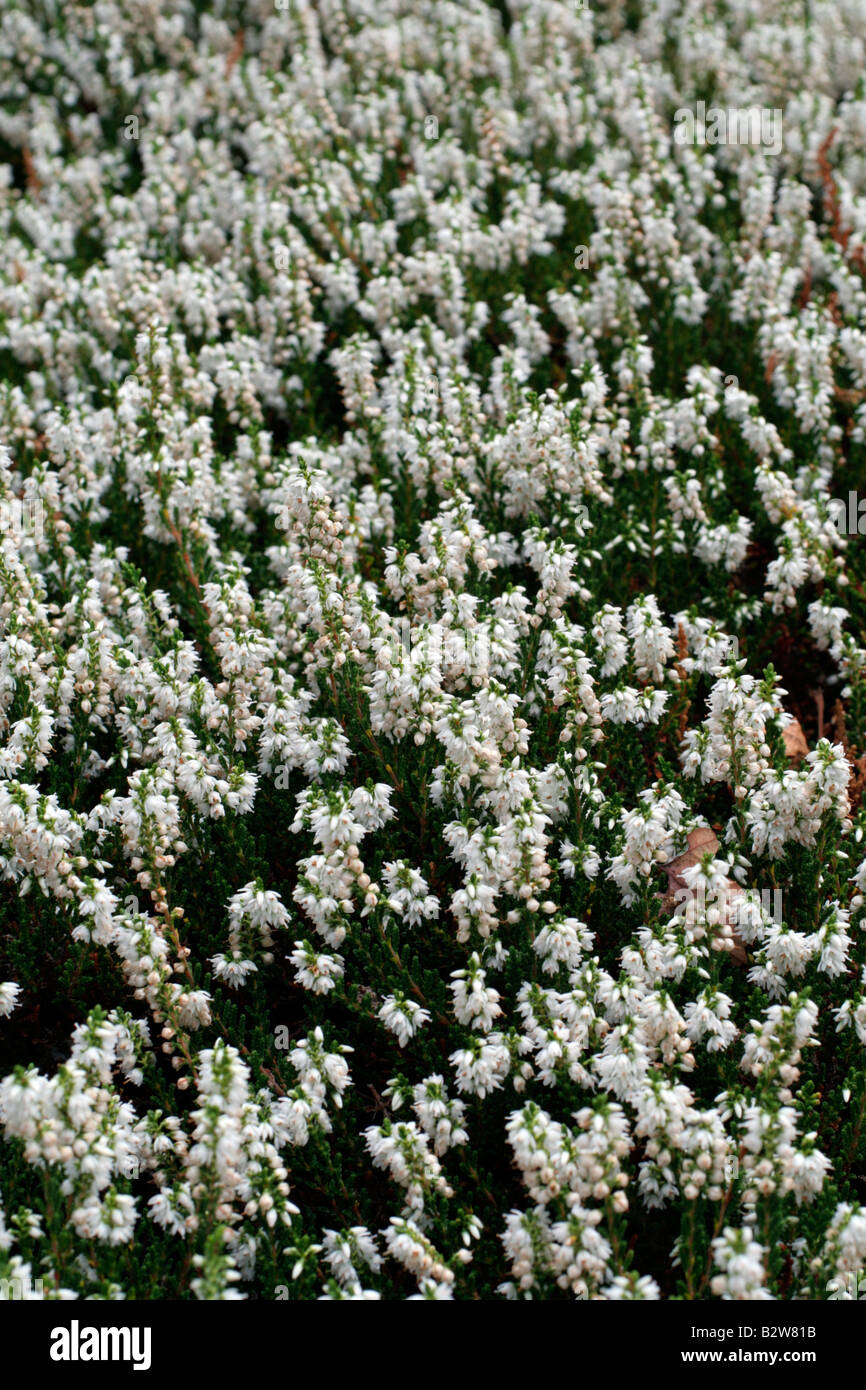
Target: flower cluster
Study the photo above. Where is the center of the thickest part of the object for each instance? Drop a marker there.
(432, 699)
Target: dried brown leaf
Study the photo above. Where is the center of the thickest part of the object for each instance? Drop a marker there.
(794, 740)
(700, 841)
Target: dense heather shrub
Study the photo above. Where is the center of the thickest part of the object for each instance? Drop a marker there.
(432, 699)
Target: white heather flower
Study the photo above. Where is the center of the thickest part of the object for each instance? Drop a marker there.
(482, 1066)
(402, 1149)
(631, 1287)
(403, 1017)
(562, 942)
(650, 637)
(234, 972)
(476, 1004)
(314, 969)
(346, 1250)
(740, 1260)
(409, 896)
(10, 994)
(440, 1118)
(708, 1019)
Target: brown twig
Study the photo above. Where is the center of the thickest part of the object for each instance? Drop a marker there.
(818, 697)
(840, 235)
(34, 183)
(237, 49)
(857, 783)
